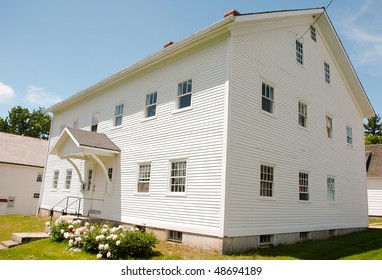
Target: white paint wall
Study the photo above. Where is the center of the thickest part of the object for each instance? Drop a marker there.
(20, 182)
(374, 194)
(260, 138)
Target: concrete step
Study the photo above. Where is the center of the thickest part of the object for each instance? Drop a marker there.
(25, 237)
(9, 243)
(2, 247)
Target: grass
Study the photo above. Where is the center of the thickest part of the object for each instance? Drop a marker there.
(365, 245)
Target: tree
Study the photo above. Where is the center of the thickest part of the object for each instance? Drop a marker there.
(373, 126)
(22, 122)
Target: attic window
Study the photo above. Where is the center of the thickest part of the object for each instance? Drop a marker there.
(11, 202)
(299, 52)
(313, 33)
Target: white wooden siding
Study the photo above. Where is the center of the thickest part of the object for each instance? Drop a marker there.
(259, 138)
(374, 193)
(195, 134)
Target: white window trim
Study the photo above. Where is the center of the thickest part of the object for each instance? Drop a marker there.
(327, 190)
(179, 194)
(306, 127)
(122, 115)
(273, 197)
(302, 54)
(145, 110)
(92, 119)
(66, 179)
(176, 101)
(352, 136)
(309, 186)
(137, 178)
(329, 73)
(55, 182)
(326, 128)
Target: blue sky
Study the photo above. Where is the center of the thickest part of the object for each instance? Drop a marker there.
(52, 49)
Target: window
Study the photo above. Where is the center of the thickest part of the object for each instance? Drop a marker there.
(110, 173)
(36, 195)
(95, 119)
(174, 235)
(304, 186)
(332, 232)
(11, 202)
(302, 114)
(349, 135)
(90, 176)
(265, 240)
(327, 72)
(304, 235)
(184, 94)
(313, 34)
(329, 127)
(118, 115)
(39, 177)
(178, 176)
(267, 99)
(299, 52)
(75, 124)
(68, 178)
(144, 178)
(151, 105)
(331, 189)
(55, 179)
(266, 180)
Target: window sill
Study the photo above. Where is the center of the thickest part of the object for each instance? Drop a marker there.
(304, 201)
(177, 111)
(183, 194)
(142, 194)
(305, 128)
(272, 115)
(66, 190)
(267, 198)
(53, 190)
(116, 127)
(350, 146)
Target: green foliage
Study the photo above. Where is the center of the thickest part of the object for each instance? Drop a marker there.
(105, 240)
(373, 139)
(373, 126)
(23, 122)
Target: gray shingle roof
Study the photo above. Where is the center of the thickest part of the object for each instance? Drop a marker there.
(374, 160)
(16, 149)
(93, 139)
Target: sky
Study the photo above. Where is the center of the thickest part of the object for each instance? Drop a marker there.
(52, 49)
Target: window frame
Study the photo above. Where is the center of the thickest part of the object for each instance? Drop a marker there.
(302, 116)
(303, 195)
(39, 177)
(94, 123)
(331, 188)
(151, 102)
(313, 33)
(265, 190)
(90, 178)
(118, 114)
(349, 137)
(329, 127)
(142, 178)
(265, 98)
(68, 178)
(182, 94)
(171, 183)
(299, 52)
(56, 175)
(175, 236)
(327, 74)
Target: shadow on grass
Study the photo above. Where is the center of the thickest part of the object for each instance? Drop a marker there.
(361, 245)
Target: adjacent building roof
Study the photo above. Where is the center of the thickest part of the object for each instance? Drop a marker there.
(374, 160)
(22, 150)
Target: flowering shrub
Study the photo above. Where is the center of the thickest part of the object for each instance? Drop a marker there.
(104, 240)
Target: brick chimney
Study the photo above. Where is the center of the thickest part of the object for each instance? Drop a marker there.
(169, 43)
(232, 13)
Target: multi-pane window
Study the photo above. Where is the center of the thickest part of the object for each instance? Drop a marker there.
(95, 119)
(331, 189)
(178, 176)
(327, 72)
(144, 178)
(36, 195)
(151, 105)
(174, 235)
(349, 135)
(313, 33)
(302, 114)
(266, 180)
(55, 179)
(118, 115)
(265, 239)
(110, 173)
(329, 127)
(299, 52)
(90, 177)
(68, 178)
(184, 94)
(303, 186)
(39, 177)
(11, 202)
(267, 99)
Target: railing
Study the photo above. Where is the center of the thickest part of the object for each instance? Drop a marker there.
(67, 203)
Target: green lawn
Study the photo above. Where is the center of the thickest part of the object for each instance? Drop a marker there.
(365, 245)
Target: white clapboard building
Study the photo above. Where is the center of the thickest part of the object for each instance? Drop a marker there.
(246, 133)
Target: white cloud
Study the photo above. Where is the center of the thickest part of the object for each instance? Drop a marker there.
(40, 97)
(6, 93)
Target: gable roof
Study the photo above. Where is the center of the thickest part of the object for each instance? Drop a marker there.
(85, 142)
(234, 18)
(22, 150)
(374, 160)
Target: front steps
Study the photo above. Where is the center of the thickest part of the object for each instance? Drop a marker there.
(22, 238)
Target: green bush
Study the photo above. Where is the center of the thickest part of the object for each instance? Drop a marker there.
(105, 240)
